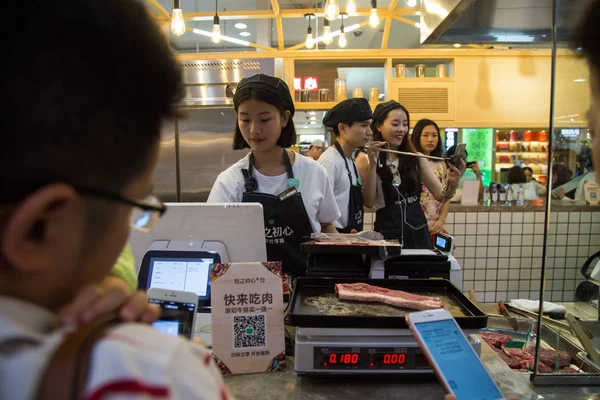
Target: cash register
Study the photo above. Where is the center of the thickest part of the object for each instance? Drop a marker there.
(438, 263)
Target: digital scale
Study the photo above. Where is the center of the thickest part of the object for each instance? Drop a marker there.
(364, 344)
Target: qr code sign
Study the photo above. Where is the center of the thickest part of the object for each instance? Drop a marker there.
(249, 331)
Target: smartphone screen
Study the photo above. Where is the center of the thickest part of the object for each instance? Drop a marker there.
(176, 319)
(456, 360)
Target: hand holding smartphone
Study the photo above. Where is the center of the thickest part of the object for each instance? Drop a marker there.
(457, 366)
(177, 311)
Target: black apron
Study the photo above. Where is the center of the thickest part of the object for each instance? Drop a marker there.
(286, 222)
(356, 202)
(402, 214)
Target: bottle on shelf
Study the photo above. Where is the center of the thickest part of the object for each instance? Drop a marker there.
(521, 195)
(501, 195)
(486, 195)
(509, 195)
(494, 194)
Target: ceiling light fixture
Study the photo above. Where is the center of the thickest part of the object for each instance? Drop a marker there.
(327, 37)
(223, 38)
(338, 32)
(351, 7)
(332, 9)
(245, 33)
(579, 80)
(342, 41)
(411, 3)
(241, 25)
(177, 22)
(310, 40)
(374, 17)
(312, 113)
(457, 45)
(216, 29)
(313, 118)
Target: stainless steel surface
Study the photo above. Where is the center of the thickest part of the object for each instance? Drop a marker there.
(206, 138)
(213, 82)
(496, 21)
(165, 179)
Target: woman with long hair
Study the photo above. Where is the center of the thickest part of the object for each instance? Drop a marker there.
(394, 181)
(426, 139)
(294, 190)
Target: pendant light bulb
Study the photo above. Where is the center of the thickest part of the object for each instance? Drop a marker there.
(327, 37)
(342, 41)
(351, 7)
(374, 17)
(216, 30)
(310, 42)
(177, 22)
(332, 9)
(411, 3)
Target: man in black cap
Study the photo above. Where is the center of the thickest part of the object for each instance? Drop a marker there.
(351, 122)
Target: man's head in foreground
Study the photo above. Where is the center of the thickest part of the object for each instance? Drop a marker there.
(78, 147)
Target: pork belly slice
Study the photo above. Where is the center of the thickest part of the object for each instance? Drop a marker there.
(397, 298)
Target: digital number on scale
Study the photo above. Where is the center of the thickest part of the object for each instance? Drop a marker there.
(374, 359)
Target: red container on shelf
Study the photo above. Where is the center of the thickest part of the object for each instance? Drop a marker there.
(543, 136)
(514, 136)
(535, 136)
(502, 146)
(527, 136)
(504, 159)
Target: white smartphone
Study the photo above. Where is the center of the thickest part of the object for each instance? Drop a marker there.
(457, 366)
(177, 311)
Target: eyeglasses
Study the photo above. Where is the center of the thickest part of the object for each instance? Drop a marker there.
(144, 216)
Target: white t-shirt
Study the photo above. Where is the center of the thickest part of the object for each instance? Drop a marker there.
(130, 362)
(333, 162)
(315, 189)
(529, 190)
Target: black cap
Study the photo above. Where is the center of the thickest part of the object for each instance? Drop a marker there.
(383, 108)
(348, 111)
(269, 83)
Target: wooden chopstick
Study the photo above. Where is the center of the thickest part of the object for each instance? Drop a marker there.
(404, 153)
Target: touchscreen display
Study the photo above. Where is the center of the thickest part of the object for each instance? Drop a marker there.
(176, 319)
(184, 274)
(457, 362)
(440, 242)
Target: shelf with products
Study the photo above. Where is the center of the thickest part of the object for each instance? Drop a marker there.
(522, 147)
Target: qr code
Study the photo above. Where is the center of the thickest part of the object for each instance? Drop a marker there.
(249, 331)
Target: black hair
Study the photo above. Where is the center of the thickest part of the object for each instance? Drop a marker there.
(418, 131)
(516, 174)
(407, 166)
(71, 90)
(288, 133)
(336, 130)
(527, 169)
(586, 36)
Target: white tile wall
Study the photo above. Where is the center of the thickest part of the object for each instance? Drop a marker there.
(501, 253)
(512, 265)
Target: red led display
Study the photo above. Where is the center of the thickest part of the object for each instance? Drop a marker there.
(394, 359)
(343, 358)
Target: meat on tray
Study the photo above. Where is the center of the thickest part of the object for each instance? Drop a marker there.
(397, 298)
(496, 340)
(548, 357)
(523, 360)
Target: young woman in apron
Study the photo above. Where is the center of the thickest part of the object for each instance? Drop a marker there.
(294, 190)
(394, 182)
(351, 123)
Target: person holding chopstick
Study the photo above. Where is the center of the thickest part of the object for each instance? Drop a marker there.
(394, 182)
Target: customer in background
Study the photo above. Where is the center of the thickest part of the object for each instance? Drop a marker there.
(516, 178)
(426, 139)
(540, 189)
(561, 175)
(394, 182)
(316, 149)
(472, 173)
(75, 160)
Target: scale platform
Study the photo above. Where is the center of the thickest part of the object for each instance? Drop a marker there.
(347, 338)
